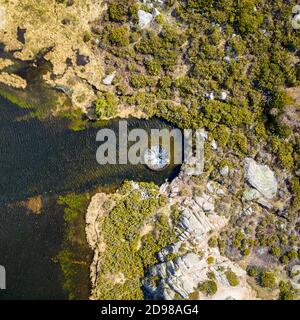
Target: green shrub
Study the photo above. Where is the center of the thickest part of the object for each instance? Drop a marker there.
(139, 81)
(232, 278)
(221, 134)
(86, 36)
(239, 142)
(75, 204)
(106, 106)
(248, 20)
(246, 252)
(119, 36)
(276, 251)
(210, 260)
(295, 188)
(208, 287)
(287, 292)
(268, 280)
(213, 242)
(252, 271)
(118, 11)
(127, 250)
(153, 66)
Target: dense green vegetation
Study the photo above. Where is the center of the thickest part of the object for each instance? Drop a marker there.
(268, 279)
(208, 287)
(223, 66)
(106, 106)
(74, 257)
(243, 48)
(287, 292)
(232, 278)
(128, 249)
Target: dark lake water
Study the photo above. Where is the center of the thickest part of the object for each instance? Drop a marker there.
(46, 158)
(38, 157)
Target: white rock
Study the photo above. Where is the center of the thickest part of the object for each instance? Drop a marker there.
(109, 79)
(155, 13)
(194, 224)
(264, 203)
(181, 276)
(224, 95)
(145, 18)
(164, 188)
(224, 171)
(208, 206)
(261, 177)
(205, 202)
(214, 145)
(210, 187)
(193, 166)
(203, 134)
(220, 192)
(135, 186)
(251, 194)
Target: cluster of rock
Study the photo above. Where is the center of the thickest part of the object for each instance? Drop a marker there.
(195, 224)
(186, 263)
(199, 218)
(179, 276)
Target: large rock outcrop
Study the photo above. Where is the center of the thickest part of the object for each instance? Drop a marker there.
(261, 177)
(180, 276)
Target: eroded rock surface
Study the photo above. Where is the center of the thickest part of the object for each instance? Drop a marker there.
(261, 177)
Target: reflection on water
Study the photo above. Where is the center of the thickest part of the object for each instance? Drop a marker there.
(45, 158)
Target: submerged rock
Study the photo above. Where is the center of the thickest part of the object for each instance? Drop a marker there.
(261, 177)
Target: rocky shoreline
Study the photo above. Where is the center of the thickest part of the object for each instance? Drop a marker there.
(203, 215)
(237, 220)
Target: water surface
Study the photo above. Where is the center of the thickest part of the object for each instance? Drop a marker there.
(44, 157)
